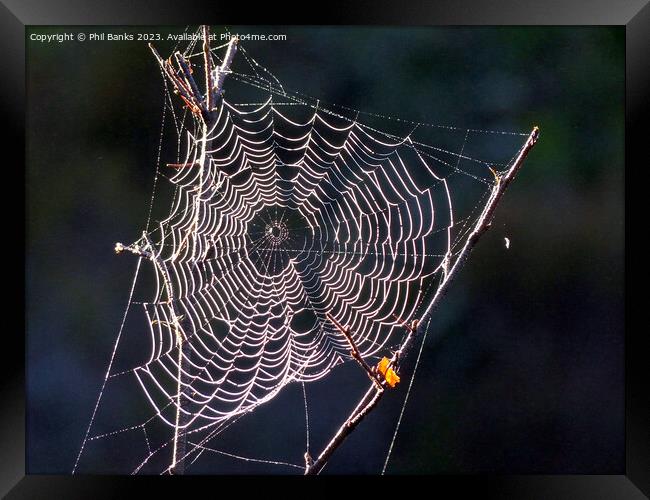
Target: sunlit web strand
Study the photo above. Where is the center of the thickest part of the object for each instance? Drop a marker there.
(299, 211)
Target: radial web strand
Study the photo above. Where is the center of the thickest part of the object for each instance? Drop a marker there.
(285, 210)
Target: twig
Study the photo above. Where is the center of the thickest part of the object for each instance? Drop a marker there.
(147, 251)
(180, 88)
(367, 403)
(189, 80)
(186, 86)
(224, 69)
(354, 351)
(370, 399)
(207, 65)
(484, 221)
(182, 165)
(202, 106)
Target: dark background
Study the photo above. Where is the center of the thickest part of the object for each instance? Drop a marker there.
(524, 371)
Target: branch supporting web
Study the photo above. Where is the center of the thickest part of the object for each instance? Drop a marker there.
(281, 210)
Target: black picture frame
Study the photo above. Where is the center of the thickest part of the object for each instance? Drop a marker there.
(15, 15)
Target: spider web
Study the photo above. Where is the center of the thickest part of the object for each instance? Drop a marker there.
(286, 210)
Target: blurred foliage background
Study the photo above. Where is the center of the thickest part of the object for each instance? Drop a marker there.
(523, 372)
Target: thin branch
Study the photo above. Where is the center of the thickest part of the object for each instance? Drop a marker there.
(180, 88)
(207, 64)
(224, 69)
(182, 165)
(373, 395)
(186, 87)
(202, 106)
(484, 221)
(189, 80)
(367, 403)
(177, 466)
(134, 249)
(354, 351)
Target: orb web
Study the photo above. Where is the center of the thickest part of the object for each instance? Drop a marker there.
(286, 210)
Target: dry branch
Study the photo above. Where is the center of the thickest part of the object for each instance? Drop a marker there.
(184, 84)
(203, 106)
(370, 399)
(354, 352)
